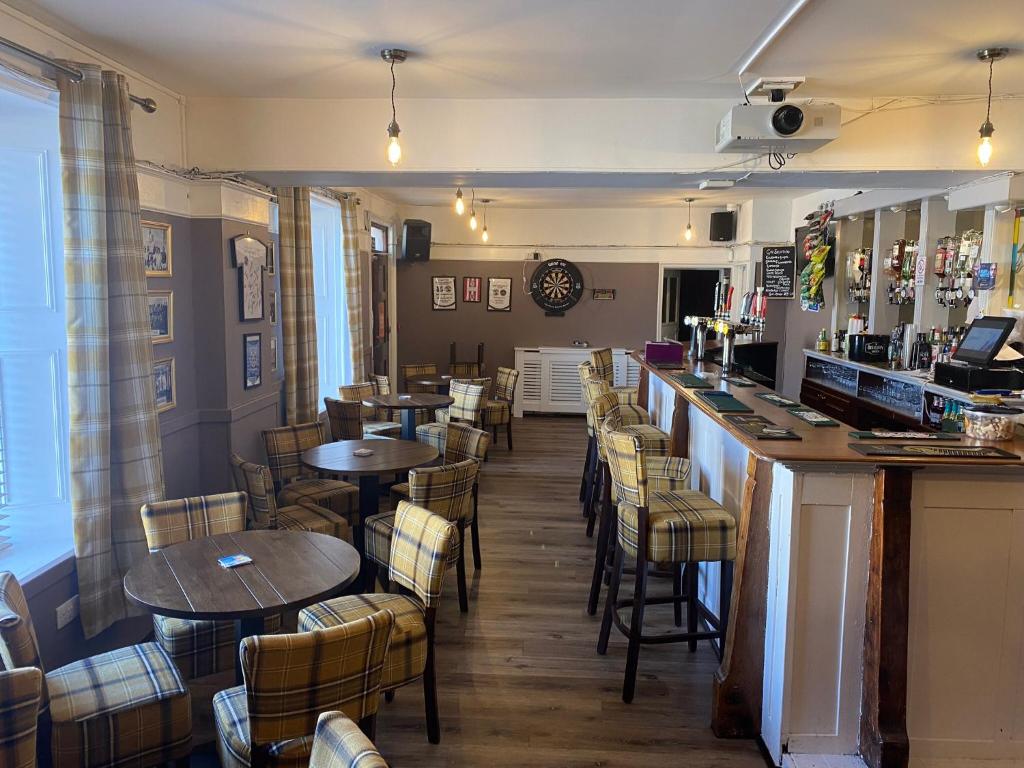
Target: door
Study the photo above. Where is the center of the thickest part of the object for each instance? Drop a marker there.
(380, 242)
(670, 305)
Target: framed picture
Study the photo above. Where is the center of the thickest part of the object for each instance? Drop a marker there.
(164, 387)
(271, 258)
(156, 245)
(250, 259)
(252, 359)
(273, 353)
(471, 290)
(272, 311)
(499, 294)
(443, 292)
(161, 316)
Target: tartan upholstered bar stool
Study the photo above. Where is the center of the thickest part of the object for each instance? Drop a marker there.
(338, 743)
(663, 528)
(603, 361)
(264, 513)
(197, 647)
(293, 483)
(420, 553)
(468, 403)
(498, 409)
(374, 420)
(291, 679)
(21, 692)
(127, 707)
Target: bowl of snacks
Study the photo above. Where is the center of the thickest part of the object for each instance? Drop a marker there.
(990, 422)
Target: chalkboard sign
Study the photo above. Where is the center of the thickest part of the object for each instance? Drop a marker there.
(779, 267)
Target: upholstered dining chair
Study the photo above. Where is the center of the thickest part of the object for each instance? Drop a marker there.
(338, 743)
(374, 420)
(498, 409)
(21, 692)
(471, 370)
(344, 418)
(468, 403)
(419, 556)
(446, 490)
(291, 679)
(293, 483)
(410, 371)
(197, 647)
(603, 362)
(264, 513)
(124, 707)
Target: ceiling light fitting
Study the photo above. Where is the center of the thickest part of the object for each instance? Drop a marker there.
(394, 149)
(688, 233)
(991, 56)
(460, 205)
(472, 213)
(484, 235)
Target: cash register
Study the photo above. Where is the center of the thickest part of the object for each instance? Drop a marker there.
(981, 361)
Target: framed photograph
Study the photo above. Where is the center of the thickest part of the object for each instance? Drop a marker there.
(250, 259)
(499, 294)
(472, 291)
(271, 258)
(443, 292)
(164, 387)
(156, 245)
(252, 359)
(273, 353)
(161, 316)
(272, 311)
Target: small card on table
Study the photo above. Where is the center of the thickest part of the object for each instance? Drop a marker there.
(233, 561)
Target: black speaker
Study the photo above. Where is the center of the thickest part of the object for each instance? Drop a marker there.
(416, 240)
(723, 226)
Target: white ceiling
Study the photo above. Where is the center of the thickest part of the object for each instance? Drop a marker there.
(544, 48)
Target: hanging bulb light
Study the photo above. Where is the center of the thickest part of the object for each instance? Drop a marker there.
(485, 236)
(460, 205)
(688, 233)
(991, 55)
(472, 213)
(394, 148)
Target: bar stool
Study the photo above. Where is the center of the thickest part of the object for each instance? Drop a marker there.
(668, 528)
(603, 362)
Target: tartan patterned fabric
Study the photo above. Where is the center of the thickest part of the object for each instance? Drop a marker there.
(353, 286)
(21, 691)
(625, 456)
(356, 393)
(18, 644)
(586, 372)
(480, 381)
(435, 434)
(337, 496)
(668, 473)
(382, 384)
(414, 370)
(345, 418)
(258, 485)
(116, 464)
(505, 384)
(496, 413)
(178, 520)
(420, 548)
(464, 370)
(463, 442)
(382, 428)
(125, 707)
(198, 648)
(338, 743)
(306, 516)
(656, 442)
(298, 311)
(469, 401)
(291, 679)
(682, 527)
(602, 404)
(285, 446)
(603, 362)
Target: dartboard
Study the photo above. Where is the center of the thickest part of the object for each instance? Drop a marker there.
(557, 285)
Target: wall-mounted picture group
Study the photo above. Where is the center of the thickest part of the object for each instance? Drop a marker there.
(443, 292)
(158, 252)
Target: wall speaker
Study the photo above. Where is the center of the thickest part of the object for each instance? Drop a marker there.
(416, 240)
(723, 226)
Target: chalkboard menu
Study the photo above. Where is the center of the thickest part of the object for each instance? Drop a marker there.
(779, 266)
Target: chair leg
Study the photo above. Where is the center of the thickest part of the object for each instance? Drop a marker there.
(586, 469)
(371, 576)
(368, 725)
(591, 477)
(430, 695)
(636, 625)
(601, 550)
(460, 570)
(475, 527)
(389, 696)
(592, 503)
(609, 603)
(494, 431)
(677, 593)
(508, 433)
(692, 571)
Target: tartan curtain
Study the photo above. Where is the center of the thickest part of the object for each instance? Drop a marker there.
(116, 460)
(353, 288)
(298, 308)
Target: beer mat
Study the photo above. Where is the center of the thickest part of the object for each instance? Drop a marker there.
(723, 402)
(692, 381)
(813, 418)
(739, 381)
(778, 400)
(885, 435)
(932, 451)
(760, 428)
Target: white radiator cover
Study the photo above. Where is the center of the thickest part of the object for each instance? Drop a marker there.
(550, 383)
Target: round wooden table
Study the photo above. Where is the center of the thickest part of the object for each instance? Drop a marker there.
(289, 569)
(408, 405)
(439, 383)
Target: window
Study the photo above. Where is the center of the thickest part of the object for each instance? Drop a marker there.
(332, 341)
(34, 475)
(379, 238)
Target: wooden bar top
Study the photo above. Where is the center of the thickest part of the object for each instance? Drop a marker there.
(827, 445)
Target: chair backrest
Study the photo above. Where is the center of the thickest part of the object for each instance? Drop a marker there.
(345, 418)
(505, 384)
(596, 387)
(18, 644)
(463, 442)
(356, 393)
(177, 520)
(258, 485)
(604, 410)
(412, 370)
(627, 465)
(419, 551)
(291, 679)
(604, 364)
(285, 446)
(339, 743)
(464, 370)
(468, 402)
(446, 490)
(21, 692)
(382, 384)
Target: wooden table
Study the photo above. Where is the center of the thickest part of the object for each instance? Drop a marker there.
(289, 569)
(439, 383)
(408, 405)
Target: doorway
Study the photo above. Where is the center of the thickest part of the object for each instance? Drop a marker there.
(686, 292)
(380, 237)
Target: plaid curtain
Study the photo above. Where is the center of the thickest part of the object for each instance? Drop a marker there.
(353, 288)
(116, 461)
(298, 308)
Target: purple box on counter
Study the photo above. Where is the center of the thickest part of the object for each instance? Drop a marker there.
(664, 352)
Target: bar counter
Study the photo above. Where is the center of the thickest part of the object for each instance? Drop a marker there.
(851, 641)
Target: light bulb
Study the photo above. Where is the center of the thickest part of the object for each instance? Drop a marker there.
(394, 148)
(985, 150)
(472, 221)
(460, 206)
(485, 236)
(688, 234)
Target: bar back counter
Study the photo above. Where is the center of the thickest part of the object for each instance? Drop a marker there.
(877, 601)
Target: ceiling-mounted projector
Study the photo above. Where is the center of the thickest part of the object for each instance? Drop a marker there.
(777, 127)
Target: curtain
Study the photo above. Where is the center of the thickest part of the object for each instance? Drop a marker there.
(353, 289)
(116, 461)
(298, 308)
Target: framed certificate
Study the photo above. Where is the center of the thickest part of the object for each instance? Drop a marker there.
(499, 294)
(443, 292)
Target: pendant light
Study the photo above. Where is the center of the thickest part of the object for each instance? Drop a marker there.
(484, 235)
(688, 233)
(460, 205)
(472, 213)
(991, 55)
(394, 149)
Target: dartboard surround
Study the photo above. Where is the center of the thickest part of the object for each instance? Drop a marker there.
(556, 286)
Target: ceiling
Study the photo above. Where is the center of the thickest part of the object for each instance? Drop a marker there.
(544, 49)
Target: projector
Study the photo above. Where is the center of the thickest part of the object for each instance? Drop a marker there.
(777, 128)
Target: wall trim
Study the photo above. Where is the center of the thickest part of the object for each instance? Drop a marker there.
(178, 423)
(228, 415)
(164, 191)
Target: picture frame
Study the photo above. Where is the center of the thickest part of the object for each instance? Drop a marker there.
(161, 316)
(603, 294)
(273, 353)
(443, 293)
(165, 387)
(499, 294)
(252, 360)
(158, 248)
(272, 310)
(472, 290)
(249, 257)
(271, 258)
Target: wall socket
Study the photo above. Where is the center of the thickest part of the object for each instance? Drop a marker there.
(67, 612)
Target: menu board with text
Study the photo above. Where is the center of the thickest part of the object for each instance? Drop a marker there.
(779, 268)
